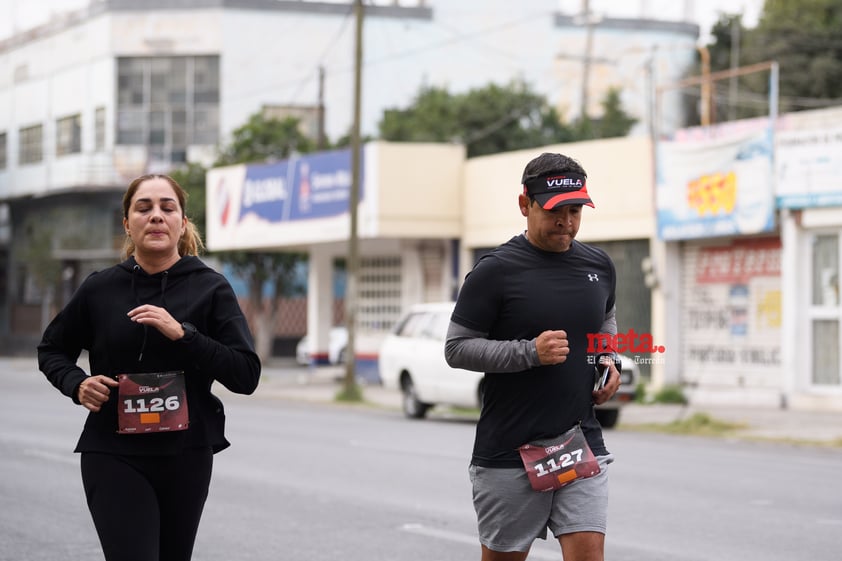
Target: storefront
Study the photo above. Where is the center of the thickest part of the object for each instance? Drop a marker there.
(731, 320)
(409, 221)
(809, 194)
(716, 208)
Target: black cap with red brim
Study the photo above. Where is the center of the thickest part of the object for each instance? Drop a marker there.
(558, 189)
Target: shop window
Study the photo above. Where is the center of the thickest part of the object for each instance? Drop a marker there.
(69, 135)
(825, 312)
(168, 103)
(379, 294)
(826, 352)
(99, 129)
(31, 145)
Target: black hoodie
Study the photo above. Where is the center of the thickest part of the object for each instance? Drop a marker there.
(96, 320)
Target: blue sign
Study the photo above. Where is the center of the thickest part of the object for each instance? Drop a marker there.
(302, 188)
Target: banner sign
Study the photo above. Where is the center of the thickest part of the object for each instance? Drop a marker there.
(809, 168)
(281, 204)
(717, 187)
(311, 186)
(739, 262)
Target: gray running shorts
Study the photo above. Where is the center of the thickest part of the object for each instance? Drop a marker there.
(511, 515)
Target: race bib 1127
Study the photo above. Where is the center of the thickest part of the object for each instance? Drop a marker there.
(553, 463)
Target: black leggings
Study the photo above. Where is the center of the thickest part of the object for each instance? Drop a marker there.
(147, 508)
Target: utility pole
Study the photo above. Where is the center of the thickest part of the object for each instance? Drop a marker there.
(321, 141)
(586, 60)
(706, 85)
(735, 62)
(351, 391)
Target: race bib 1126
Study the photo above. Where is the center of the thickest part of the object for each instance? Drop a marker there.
(152, 402)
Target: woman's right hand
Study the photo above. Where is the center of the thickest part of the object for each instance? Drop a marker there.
(94, 391)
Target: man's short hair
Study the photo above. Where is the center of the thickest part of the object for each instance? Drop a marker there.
(550, 163)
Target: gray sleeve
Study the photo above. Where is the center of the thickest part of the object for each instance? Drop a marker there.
(471, 350)
(609, 324)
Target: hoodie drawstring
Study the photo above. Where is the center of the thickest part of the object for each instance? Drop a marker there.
(164, 278)
(135, 269)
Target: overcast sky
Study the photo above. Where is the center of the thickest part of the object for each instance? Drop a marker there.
(24, 14)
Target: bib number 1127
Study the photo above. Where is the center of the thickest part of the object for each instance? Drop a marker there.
(565, 460)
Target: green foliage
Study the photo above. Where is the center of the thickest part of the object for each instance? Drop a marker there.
(640, 395)
(192, 179)
(701, 424)
(614, 121)
(265, 273)
(803, 36)
(262, 139)
(38, 255)
(495, 119)
(352, 393)
(432, 117)
(670, 394)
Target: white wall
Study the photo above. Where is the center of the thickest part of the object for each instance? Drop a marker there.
(619, 182)
(273, 57)
(57, 76)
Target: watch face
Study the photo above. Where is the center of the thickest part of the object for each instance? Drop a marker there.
(189, 330)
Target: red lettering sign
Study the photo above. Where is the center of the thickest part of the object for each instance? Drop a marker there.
(739, 262)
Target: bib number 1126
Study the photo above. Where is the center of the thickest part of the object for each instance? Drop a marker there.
(156, 405)
(152, 402)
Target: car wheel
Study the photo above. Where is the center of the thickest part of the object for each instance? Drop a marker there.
(607, 417)
(412, 407)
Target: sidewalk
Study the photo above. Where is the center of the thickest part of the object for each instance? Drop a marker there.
(286, 380)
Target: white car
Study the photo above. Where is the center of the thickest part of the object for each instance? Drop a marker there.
(412, 361)
(337, 346)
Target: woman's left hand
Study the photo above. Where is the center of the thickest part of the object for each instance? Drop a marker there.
(159, 318)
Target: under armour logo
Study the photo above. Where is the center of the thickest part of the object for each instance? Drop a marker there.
(593, 277)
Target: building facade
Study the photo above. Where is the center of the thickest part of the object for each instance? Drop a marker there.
(99, 96)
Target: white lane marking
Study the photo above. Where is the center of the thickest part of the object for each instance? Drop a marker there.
(439, 534)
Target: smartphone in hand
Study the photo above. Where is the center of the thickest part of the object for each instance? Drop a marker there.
(600, 376)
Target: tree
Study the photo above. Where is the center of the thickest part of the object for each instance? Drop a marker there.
(803, 36)
(487, 120)
(44, 268)
(192, 179)
(268, 275)
(613, 122)
(432, 117)
(494, 119)
(262, 139)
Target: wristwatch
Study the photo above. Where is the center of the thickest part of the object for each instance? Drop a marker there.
(189, 332)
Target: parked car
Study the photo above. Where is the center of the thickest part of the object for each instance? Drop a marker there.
(412, 361)
(336, 348)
